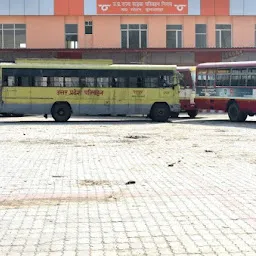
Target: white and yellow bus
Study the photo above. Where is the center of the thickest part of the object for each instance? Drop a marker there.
(63, 90)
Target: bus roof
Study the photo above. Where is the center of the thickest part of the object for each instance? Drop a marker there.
(227, 64)
(186, 68)
(65, 61)
(89, 66)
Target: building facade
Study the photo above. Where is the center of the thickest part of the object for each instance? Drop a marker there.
(127, 24)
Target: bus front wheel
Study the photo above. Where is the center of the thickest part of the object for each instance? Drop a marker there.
(61, 112)
(160, 112)
(192, 113)
(234, 113)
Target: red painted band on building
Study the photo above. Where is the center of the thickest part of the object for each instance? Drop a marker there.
(143, 7)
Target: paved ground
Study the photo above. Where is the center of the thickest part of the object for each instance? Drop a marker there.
(63, 187)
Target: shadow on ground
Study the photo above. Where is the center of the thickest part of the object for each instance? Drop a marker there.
(106, 121)
(216, 122)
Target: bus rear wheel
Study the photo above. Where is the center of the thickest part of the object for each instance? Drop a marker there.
(61, 112)
(234, 113)
(192, 113)
(160, 112)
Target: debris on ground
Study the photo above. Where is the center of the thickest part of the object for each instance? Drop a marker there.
(130, 182)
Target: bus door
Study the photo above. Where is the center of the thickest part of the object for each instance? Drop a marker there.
(4, 92)
(23, 94)
(138, 97)
(168, 88)
(119, 95)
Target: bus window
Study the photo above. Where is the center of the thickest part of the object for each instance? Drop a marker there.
(87, 82)
(201, 78)
(22, 81)
(140, 82)
(136, 82)
(223, 77)
(121, 82)
(103, 82)
(165, 81)
(113, 82)
(4, 81)
(10, 81)
(186, 79)
(151, 82)
(211, 78)
(251, 79)
(71, 81)
(182, 80)
(40, 81)
(239, 77)
(193, 76)
(57, 81)
(118, 82)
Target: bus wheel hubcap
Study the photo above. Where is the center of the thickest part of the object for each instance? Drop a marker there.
(61, 112)
(161, 112)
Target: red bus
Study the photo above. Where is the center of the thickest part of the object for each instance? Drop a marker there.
(227, 86)
(187, 90)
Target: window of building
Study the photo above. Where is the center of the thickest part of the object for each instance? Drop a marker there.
(71, 36)
(173, 36)
(223, 36)
(12, 36)
(201, 36)
(88, 27)
(134, 35)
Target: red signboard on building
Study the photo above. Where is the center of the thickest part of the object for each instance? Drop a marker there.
(143, 7)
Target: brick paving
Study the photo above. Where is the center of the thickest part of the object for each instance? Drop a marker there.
(63, 187)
